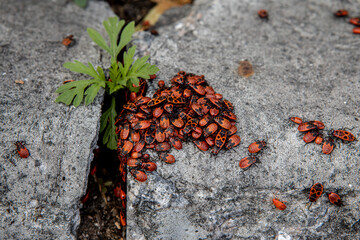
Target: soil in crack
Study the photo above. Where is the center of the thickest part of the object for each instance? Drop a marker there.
(100, 214)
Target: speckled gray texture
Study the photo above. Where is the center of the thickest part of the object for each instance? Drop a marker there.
(306, 64)
(40, 195)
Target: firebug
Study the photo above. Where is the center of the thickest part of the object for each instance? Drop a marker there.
(344, 135)
(162, 147)
(328, 146)
(205, 120)
(161, 84)
(141, 125)
(135, 155)
(118, 192)
(233, 141)
(229, 105)
(130, 106)
(122, 219)
(232, 130)
(156, 101)
(214, 111)
(335, 199)
(263, 14)
(169, 107)
(229, 115)
(142, 100)
(21, 149)
(66, 81)
(315, 192)
(160, 135)
(164, 121)
(85, 198)
(355, 21)
(149, 166)
(168, 158)
(310, 136)
(278, 204)
(126, 148)
(256, 146)
(220, 138)
(341, 13)
(319, 125)
(223, 122)
(296, 120)
(356, 30)
(134, 162)
(178, 122)
(306, 126)
(138, 175)
(248, 161)
(210, 130)
(69, 41)
(139, 146)
(319, 139)
(210, 141)
(202, 145)
(135, 136)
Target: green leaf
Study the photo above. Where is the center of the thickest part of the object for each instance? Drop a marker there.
(116, 88)
(107, 123)
(73, 92)
(113, 27)
(98, 39)
(114, 73)
(101, 73)
(131, 88)
(91, 93)
(138, 64)
(81, 3)
(100, 181)
(111, 85)
(108, 183)
(144, 71)
(126, 36)
(135, 81)
(128, 59)
(79, 67)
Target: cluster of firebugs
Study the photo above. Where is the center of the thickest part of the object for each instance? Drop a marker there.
(314, 133)
(190, 110)
(341, 13)
(354, 21)
(315, 193)
(187, 111)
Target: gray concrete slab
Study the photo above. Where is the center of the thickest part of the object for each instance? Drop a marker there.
(306, 64)
(40, 195)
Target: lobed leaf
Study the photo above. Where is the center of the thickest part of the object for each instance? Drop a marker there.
(138, 64)
(79, 67)
(107, 121)
(126, 36)
(81, 3)
(144, 71)
(113, 27)
(128, 59)
(91, 93)
(73, 92)
(98, 39)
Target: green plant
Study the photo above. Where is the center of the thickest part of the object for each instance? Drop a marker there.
(81, 3)
(121, 75)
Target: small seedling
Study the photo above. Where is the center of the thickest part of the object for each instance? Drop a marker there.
(121, 75)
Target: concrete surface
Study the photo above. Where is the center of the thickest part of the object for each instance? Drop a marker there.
(306, 64)
(39, 197)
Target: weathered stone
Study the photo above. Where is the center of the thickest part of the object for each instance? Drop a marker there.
(40, 195)
(305, 64)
